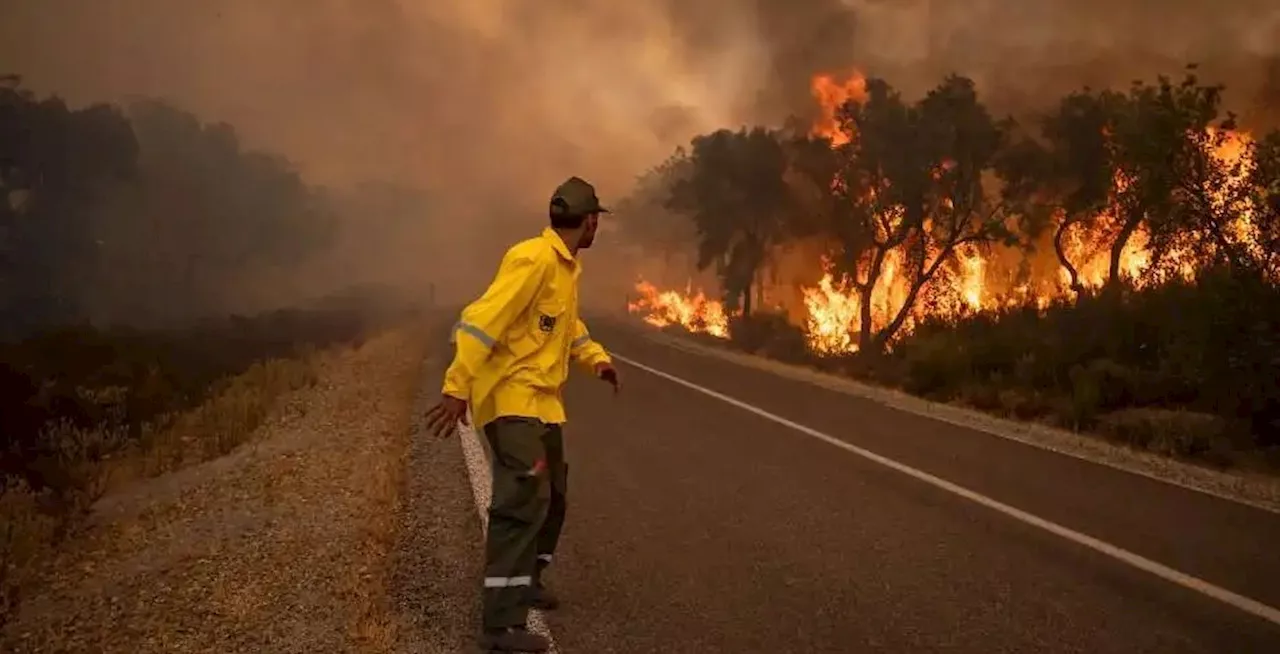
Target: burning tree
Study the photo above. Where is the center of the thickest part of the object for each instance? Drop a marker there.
(901, 215)
(1064, 179)
(910, 190)
(734, 190)
(888, 212)
(1164, 144)
(1264, 188)
(1155, 181)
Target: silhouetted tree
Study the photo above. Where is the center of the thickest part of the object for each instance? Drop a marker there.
(205, 219)
(148, 216)
(644, 217)
(1264, 204)
(1064, 179)
(736, 194)
(56, 164)
(1162, 150)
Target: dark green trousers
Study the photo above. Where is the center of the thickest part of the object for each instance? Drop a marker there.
(525, 515)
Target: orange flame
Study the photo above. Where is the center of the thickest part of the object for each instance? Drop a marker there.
(831, 312)
(692, 311)
(831, 96)
(976, 280)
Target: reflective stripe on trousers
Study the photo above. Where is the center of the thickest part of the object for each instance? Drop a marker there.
(507, 582)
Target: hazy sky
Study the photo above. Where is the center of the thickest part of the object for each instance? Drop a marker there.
(489, 103)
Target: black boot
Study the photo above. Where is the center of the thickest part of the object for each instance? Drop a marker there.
(513, 639)
(543, 599)
(540, 597)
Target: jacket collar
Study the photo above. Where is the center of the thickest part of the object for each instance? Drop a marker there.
(558, 245)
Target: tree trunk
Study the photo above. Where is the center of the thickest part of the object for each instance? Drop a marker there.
(865, 292)
(864, 317)
(1058, 249)
(1117, 251)
(760, 286)
(923, 276)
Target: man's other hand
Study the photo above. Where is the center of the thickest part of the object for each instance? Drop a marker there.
(608, 373)
(444, 417)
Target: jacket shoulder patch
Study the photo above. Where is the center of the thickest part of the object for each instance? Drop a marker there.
(547, 323)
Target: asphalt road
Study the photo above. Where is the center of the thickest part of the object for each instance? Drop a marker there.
(697, 526)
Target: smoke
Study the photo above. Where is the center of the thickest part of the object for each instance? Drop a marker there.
(1025, 54)
(487, 104)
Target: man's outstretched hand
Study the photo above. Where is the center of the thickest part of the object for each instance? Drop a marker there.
(444, 417)
(608, 373)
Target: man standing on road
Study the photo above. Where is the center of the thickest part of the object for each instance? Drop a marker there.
(513, 348)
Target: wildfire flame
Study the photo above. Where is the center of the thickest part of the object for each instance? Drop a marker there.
(832, 94)
(692, 311)
(830, 310)
(832, 307)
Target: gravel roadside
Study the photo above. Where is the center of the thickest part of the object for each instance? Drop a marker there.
(285, 545)
(438, 560)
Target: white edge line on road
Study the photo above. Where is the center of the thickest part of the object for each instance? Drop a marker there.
(985, 423)
(1248, 605)
(482, 489)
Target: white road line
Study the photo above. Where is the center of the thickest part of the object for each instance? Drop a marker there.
(481, 475)
(914, 406)
(1248, 605)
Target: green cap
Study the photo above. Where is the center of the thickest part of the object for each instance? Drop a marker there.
(575, 197)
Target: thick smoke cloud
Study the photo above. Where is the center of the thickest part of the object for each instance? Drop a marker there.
(1024, 53)
(487, 104)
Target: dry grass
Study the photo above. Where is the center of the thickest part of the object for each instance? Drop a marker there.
(236, 408)
(28, 529)
(280, 546)
(88, 462)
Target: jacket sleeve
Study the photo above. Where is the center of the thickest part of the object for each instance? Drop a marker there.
(585, 350)
(485, 321)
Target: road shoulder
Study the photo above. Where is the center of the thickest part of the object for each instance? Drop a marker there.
(280, 546)
(438, 560)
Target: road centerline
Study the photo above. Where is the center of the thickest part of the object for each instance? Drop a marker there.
(1132, 559)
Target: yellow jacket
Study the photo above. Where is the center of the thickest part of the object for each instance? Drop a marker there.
(515, 342)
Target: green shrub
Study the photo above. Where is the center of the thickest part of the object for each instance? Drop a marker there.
(1209, 345)
(770, 334)
(979, 395)
(936, 365)
(1022, 403)
(1185, 434)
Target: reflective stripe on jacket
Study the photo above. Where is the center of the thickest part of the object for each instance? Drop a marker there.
(514, 344)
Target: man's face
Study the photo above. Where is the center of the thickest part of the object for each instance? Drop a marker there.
(589, 231)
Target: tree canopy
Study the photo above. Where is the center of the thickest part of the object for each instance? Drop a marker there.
(735, 192)
(917, 186)
(140, 214)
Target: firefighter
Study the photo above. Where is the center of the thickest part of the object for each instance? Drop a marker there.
(513, 350)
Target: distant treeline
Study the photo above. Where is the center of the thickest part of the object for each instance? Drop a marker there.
(146, 215)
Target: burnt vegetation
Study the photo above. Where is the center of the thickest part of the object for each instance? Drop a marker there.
(1129, 242)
